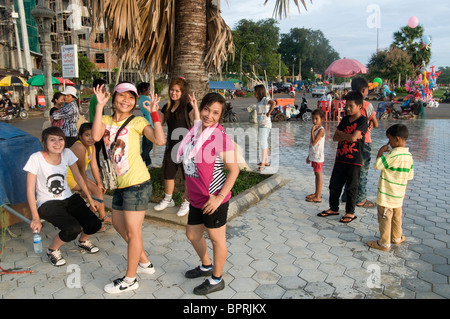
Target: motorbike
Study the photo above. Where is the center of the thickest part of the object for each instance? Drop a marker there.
(406, 112)
(292, 94)
(446, 97)
(15, 112)
(305, 112)
(229, 115)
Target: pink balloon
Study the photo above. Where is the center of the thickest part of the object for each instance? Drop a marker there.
(413, 22)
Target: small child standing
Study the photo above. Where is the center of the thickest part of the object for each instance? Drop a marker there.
(316, 153)
(396, 171)
(350, 135)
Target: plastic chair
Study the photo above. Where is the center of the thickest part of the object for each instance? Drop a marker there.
(338, 110)
(381, 109)
(324, 105)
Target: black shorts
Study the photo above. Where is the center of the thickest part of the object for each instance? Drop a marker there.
(169, 167)
(215, 220)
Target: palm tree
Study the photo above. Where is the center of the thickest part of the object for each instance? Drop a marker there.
(185, 38)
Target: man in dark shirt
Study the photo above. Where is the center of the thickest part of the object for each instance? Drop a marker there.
(350, 135)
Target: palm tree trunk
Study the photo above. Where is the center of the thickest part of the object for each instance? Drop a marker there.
(190, 45)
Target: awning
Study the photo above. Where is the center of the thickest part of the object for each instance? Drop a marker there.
(221, 85)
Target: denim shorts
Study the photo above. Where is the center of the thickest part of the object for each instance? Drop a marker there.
(132, 198)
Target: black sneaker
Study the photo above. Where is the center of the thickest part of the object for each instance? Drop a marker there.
(55, 257)
(206, 287)
(197, 272)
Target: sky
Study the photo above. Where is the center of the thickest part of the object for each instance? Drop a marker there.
(350, 25)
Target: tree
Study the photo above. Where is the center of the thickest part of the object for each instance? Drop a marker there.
(389, 63)
(408, 40)
(262, 54)
(444, 77)
(183, 38)
(87, 72)
(311, 47)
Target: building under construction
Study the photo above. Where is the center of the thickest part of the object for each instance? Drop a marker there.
(71, 26)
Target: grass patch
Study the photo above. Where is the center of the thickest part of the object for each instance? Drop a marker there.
(244, 181)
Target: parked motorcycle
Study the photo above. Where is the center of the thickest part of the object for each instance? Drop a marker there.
(446, 97)
(15, 112)
(230, 115)
(305, 112)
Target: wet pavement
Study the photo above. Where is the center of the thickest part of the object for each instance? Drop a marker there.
(278, 248)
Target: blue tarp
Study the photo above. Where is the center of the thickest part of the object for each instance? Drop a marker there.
(221, 85)
(16, 146)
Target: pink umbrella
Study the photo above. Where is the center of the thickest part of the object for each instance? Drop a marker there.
(66, 81)
(345, 68)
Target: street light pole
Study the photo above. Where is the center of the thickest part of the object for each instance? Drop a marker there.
(240, 73)
(44, 19)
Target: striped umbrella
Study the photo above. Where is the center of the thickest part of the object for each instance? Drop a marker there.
(12, 80)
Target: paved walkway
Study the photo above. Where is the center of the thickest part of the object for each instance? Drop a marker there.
(278, 248)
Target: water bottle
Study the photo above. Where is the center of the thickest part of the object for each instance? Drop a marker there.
(37, 243)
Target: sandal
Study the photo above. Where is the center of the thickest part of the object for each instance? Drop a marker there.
(310, 196)
(265, 164)
(325, 214)
(313, 200)
(376, 245)
(402, 239)
(366, 204)
(261, 168)
(347, 219)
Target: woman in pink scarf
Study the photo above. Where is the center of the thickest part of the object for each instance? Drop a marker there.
(205, 151)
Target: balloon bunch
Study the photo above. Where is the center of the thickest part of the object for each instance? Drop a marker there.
(376, 83)
(422, 88)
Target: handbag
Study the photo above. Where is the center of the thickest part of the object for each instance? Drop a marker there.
(106, 168)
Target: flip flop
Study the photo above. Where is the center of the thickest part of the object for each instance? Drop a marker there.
(376, 245)
(310, 196)
(313, 200)
(261, 168)
(342, 220)
(325, 214)
(366, 204)
(402, 239)
(260, 164)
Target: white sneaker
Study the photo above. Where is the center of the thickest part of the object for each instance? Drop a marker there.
(164, 204)
(146, 270)
(184, 208)
(120, 285)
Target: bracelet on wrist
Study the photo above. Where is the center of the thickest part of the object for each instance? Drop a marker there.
(155, 117)
(221, 195)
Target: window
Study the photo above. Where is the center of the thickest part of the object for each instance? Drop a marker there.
(99, 58)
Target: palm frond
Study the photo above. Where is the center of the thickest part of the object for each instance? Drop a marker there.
(281, 8)
(220, 40)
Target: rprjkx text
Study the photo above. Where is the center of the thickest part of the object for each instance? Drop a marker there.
(237, 309)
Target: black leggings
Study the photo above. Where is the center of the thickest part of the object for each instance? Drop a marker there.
(344, 175)
(70, 215)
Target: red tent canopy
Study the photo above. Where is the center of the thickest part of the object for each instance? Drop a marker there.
(66, 81)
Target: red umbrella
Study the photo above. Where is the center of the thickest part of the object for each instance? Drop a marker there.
(66, 81)
(345, 68)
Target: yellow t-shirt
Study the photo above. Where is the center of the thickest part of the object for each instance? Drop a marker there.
(127, 160)
(70, 180)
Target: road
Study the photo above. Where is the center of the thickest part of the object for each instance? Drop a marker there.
(33, 125)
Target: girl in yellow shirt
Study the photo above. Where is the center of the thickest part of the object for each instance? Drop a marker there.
(84, 150)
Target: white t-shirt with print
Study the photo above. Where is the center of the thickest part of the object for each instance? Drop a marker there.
(51, 180)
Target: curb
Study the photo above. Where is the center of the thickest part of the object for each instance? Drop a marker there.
(238, 204)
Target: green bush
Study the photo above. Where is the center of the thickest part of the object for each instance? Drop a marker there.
(244, 181)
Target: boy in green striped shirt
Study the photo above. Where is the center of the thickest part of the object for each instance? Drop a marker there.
(396, 171)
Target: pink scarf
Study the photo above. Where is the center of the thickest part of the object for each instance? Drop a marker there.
(198, 141)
